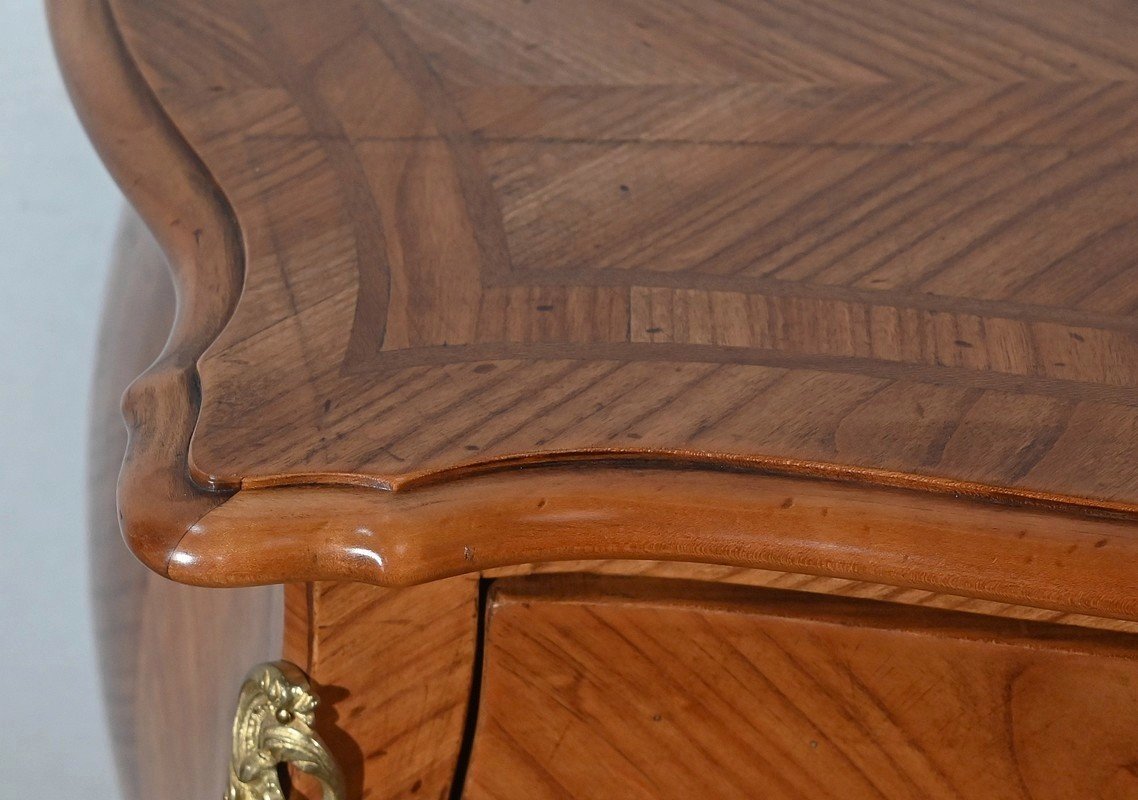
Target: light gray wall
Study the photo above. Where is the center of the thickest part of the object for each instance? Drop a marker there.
(58, 211)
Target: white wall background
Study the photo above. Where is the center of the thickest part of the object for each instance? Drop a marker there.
(58, 211)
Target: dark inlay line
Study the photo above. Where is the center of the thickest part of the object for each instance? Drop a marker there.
(361, 211)
(776, 287)
(388, 362)
(479, 198)
(476, 138)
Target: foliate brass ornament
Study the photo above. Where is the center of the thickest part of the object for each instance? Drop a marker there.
(273, 726)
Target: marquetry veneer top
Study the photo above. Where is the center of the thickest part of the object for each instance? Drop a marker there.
(890, 240)
(839, 289)
(888, 236)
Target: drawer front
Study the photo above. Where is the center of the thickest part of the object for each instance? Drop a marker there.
(640, 688)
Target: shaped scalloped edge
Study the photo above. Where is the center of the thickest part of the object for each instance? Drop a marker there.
(762, 513)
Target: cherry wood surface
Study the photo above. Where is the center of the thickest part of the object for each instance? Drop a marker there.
(889, 245)
(171, 657)
(394, 667)
(726, 691)
(893, 237)
(394, 671)
(816, 295)
(812, 584)
(1032, 557)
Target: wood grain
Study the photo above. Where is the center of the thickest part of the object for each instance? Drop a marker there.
(812, 584)
(395, 667)
(1072, 563)
(172, 657)
(416, 242)
(186, 214)
(732, 692)
(476, 231)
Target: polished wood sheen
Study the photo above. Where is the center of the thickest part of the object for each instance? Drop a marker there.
(172, 657)
(1069, 563)
(396, 668)
(812, 584)
(891, 245)
(637, 398)
(669, 689)
(478, 231)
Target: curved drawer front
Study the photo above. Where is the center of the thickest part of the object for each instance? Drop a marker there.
(673, 689)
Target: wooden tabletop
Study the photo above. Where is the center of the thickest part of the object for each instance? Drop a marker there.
(891, 242)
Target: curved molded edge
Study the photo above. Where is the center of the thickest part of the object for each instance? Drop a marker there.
(691, 460)
(302, 528)
(902, 538)
(188, 215)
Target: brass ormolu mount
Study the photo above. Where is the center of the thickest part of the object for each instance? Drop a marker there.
(273, 726)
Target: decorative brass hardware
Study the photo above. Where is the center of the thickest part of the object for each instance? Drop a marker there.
(273, 726)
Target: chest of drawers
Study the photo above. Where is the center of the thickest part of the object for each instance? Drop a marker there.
(636, 399)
